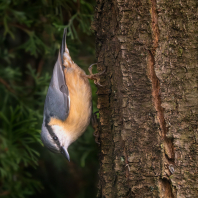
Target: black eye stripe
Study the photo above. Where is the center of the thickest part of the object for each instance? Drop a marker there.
(52, 134)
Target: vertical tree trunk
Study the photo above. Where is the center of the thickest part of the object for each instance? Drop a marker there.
(149, 104)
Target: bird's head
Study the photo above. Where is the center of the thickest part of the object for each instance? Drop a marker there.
(55, 139)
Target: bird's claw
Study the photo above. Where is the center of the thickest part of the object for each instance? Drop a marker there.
(95, 77)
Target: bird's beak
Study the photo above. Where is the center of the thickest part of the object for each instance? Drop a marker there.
(65, 153)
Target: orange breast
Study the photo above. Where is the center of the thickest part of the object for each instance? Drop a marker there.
(80, 103)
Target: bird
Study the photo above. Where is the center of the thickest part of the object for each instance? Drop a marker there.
(68, 103)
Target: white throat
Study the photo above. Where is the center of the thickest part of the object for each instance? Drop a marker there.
(64, 139)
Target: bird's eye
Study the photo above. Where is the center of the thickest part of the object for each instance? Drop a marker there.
(55, 138)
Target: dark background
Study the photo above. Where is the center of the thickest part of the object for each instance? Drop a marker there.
(30, 37)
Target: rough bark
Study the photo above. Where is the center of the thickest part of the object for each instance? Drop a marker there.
(148, 106)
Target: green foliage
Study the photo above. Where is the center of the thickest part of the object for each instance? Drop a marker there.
(17, 136)
(30, 37)
(18, 132)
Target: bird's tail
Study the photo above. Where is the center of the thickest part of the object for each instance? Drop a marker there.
(64, 52)
(63, 45)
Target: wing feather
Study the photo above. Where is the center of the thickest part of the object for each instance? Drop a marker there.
(57, 98)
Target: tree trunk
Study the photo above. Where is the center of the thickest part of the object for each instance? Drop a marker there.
(149, 102)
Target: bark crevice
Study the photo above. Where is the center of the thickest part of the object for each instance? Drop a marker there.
(165, 188)
(169, 156)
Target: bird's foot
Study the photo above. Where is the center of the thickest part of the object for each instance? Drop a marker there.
(95, 77)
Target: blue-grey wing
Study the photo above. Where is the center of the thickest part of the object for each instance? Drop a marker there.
(57, 98)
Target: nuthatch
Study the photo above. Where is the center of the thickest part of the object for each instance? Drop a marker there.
(68, 103)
